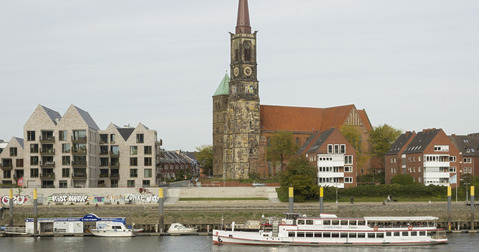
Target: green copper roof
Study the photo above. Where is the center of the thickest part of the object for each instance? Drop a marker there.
(224, 87)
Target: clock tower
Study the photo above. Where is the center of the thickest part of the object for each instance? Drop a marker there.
(242, 115)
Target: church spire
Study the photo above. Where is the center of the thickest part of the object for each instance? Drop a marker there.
(243, 26)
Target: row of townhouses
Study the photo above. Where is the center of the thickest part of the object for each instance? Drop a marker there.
(71, 151)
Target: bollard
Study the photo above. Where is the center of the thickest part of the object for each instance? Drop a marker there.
(449, 206)
(472, 207)
(321, 200)
(161, 210)
(291, 199)
(35, 213)
(10, 204)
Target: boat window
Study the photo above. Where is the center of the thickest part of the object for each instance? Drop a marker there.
(309, 234)
(309, 222)
(290, 234)
(335, 222)
(361, 223)
(300, 234)
(300, 222)
(352, 235)
(327, 222)
(361, 235)
(344, 235)
(344, 222)
(388, 233)
(405, 233)
(318, 234)
(371, 235)
(379, 235)
(335, 235)
(352, 222)
(422, 233)
(414, 233)
(396, 233)
(326, 234)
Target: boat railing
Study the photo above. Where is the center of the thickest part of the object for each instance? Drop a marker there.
(400, 224)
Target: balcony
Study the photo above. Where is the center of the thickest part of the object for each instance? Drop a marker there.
(79, 139)
(79, 152)
(79, 175)
(47, 176)
(47, 152)
(7, 166)
(50, 164)
(79, 164)
(115, 176)
(114, 155)
(115, 165)
(104, 175)
(47, 139)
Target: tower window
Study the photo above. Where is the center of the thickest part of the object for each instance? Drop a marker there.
(247, 51)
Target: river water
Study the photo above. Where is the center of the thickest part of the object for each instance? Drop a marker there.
(457, 242)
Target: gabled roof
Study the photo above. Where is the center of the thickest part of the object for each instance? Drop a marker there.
(302, 119)
(176, 157)
(308, 142)
(20, 141)
(467, 145)
(224, 87)
(52, 114)
(400, 142)
(320, 141)
(87, 118)
(421, 141)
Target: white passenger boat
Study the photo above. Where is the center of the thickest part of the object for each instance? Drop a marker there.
(177, 228)
(114, 229)
(330, 230)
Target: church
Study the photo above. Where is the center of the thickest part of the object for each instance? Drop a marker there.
(242, 126)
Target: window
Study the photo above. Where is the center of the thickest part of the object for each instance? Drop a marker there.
(20, 162)
(33, 160)
(112, 138)
(66, 148)
(133, 173)
(336, 148)
(62, 135)
(148, 173)
(140, 138)
(133, 150)
(33, 148)
(7, 174)
(34, 172)
(330, 148)
(31, 135)
(148, 161)
(115, 150)
(348, 159)
(133, 161)
(348, 169)
(65, 172)
(65, 160)
(348, 180)
(452, 169)
(146, 183)
(114, 183)
(13, 151)
(63, 184)
(147, 150)
(130, 183)
(343, 148)
(371, 235)
(103, 138)
(103, 161)
(452, 159)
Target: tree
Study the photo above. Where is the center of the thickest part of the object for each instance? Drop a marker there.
(205, 157)
(381, 139)
(302, 176)
(281, 147)
(353, 135)
(402, 179)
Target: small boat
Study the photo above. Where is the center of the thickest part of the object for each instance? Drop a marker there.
(114, 229)
(329, 230)
(177, 228)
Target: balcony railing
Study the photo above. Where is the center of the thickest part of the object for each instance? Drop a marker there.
(103, 152)
(104, 175)
(47, 164)
(47, 139)
(79, 175)
(115, 176)
(115, 165)
(112, 154)
(47, 152)
(49, 176)
(7, 166)
(48, 186)
(82, 139)
(79, 164)
(79, 152)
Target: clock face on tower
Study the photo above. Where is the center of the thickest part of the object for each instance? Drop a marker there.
(247, 71)
(236, 71)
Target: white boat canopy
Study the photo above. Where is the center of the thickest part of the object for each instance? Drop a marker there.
(401, 218)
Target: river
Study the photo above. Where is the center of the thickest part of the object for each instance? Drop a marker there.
(457, 242)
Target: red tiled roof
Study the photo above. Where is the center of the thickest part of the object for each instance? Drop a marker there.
(365, 119)
(302, 119)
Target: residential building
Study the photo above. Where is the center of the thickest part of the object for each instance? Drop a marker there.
(468, 147)
(429, 157)
(174, 163)
(12, 162)
(333, 156)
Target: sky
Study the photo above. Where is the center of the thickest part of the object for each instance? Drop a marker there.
(410, 64)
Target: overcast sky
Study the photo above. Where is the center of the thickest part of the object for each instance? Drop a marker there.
(411, 64)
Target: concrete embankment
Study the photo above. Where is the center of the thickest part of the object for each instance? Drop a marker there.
(214, 213)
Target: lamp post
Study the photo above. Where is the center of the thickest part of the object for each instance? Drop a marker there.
(467, 195)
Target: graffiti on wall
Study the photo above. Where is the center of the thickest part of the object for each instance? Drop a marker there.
(17, 200)
(142, 198)
(68, 198)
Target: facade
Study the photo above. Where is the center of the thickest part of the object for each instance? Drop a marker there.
(333, 156)
(172, 162)
(468, 147)
(241, 126)
(72, 152)
(428, 156)
(12, 162)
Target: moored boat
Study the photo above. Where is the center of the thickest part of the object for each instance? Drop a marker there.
(328, 229)
(114, 229)
(177, 228)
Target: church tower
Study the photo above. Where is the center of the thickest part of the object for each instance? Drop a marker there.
(242, 115)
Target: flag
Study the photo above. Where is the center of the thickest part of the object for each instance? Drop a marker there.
(20, 182)
(453, 179)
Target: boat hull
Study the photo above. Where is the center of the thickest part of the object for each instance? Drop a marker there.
(113, 233)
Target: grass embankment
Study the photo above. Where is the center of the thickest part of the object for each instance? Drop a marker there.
(219, 199)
